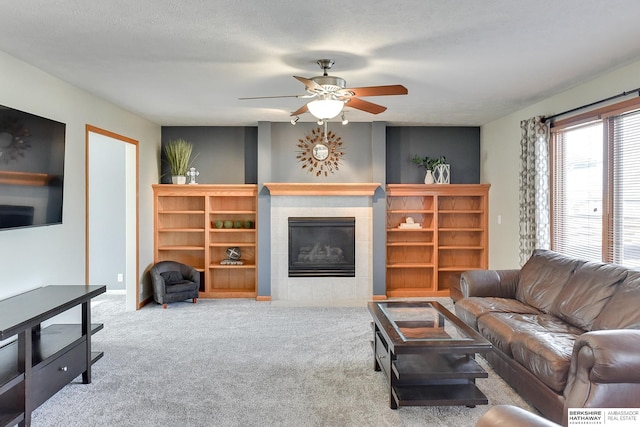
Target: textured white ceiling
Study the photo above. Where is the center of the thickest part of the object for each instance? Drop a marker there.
(186, 62)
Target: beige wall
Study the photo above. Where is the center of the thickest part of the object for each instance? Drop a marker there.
(38, 256)
(500, 154)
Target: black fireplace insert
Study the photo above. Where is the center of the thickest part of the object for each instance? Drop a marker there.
(322, 247)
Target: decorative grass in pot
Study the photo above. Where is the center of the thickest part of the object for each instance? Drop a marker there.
(178, 155)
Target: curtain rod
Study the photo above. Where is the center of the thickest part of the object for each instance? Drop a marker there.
(582, 107)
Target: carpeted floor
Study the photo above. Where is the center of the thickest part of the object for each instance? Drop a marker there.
(241, 363)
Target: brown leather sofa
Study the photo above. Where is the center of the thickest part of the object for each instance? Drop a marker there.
(565, 332)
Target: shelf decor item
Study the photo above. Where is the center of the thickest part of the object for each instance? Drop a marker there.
(192, 175)
(178, 155)
(431, 164)
(234, 253)
(442, 173)
(428, 177)
(233, 257)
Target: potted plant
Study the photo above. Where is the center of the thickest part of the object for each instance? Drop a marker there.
(430, 164)
(178, 155)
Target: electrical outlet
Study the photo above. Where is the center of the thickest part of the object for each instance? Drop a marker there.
(120, 278)
(499, 219)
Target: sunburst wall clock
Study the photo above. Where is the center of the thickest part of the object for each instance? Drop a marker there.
(320, 152)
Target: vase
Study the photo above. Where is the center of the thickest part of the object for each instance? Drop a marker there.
(179, 179)
(428, 177)
(441, 174)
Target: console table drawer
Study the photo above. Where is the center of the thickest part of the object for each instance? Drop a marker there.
(60, 372)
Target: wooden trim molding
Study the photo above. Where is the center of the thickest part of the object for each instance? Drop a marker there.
(322, 189)
(125, 139)
(436, 189)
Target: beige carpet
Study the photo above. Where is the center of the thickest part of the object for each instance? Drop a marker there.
(241, 363)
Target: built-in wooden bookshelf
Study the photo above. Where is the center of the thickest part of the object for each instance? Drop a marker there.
(196, 224)
(452, 237)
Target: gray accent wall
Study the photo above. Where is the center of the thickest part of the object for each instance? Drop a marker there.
(218, 153)
(264, 173)
(355, 165)
(233, 155)
(379, 206)
(460, 146)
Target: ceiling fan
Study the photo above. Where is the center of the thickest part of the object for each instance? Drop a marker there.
(329, 94)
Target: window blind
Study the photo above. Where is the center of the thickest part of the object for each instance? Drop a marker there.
(624, 233)
(577, 196)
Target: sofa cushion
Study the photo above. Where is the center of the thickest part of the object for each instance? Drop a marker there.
(586, 293)
(543, 277)
(499, 328)
(472, 308)
(621, 312)
(545, 347)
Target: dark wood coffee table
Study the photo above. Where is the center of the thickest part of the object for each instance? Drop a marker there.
(427, 354)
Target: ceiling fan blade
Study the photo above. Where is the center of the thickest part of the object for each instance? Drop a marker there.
(367, 106)
(300, 110)
(378, 90)
(276, 96)
(309, 84)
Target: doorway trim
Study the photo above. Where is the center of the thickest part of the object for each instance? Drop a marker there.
(93, 129)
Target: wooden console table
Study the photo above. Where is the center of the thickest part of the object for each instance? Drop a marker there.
(42, 360)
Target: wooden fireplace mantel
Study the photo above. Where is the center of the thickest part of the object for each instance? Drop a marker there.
(322, 189)
(24, 178)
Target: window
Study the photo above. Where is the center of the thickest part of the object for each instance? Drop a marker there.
(596, 186)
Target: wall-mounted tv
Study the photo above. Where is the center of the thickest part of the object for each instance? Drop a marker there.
(31, 169)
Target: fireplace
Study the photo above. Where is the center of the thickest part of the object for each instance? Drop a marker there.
(321, 247)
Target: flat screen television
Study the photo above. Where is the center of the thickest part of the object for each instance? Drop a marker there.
(31, 169)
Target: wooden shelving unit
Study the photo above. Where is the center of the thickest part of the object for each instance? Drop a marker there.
(192, 227)
(453, 236)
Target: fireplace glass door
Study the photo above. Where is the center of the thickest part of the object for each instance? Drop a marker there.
(321, 247)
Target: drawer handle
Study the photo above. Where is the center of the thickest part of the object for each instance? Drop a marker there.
(63, 369)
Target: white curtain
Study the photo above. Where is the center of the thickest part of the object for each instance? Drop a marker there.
(534, 187)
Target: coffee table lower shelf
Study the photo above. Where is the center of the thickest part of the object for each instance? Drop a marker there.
(439, 395)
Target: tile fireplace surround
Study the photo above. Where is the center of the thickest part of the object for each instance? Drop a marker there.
(321, 200)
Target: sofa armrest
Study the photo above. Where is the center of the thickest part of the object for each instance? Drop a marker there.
(191, 273)
(159, 286)
(605, 370)
(608, 356)
(489, 283)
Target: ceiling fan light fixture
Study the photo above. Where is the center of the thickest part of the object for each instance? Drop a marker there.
(325, 108)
